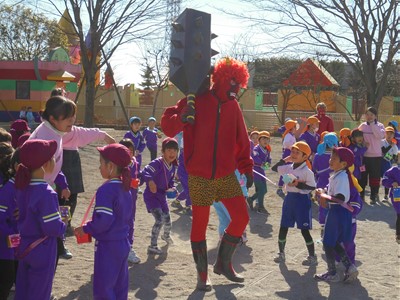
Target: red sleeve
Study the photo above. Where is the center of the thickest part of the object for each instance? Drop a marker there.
(242, 153)
(171, 123)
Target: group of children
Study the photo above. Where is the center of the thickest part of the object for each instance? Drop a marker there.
(33, 186)
(333, 167)
(40, 171)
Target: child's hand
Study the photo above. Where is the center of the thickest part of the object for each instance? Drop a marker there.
(65, 220)
(65, 194)
(152, 187)
(109, 139)
(319, 191)
(79, 231)
(395, 184)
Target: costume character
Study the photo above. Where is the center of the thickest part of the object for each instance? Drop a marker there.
(211, 163)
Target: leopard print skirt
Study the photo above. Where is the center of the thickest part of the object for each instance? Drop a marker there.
(203, 191)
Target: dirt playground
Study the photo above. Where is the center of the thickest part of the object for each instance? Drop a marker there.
(172, 275)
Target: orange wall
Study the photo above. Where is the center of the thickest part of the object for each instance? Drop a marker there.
(306, 101)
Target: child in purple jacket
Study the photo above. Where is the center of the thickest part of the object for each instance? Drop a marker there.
(8, 221)
(133, 168)
(150, 135)
(391, 179)
(358, 148)
(262, 159)
(253, 139)
(159, 175)
(311, 136)
(136, 137)
(110, 225)
(39, 220)
(322, 170)
(357, 204)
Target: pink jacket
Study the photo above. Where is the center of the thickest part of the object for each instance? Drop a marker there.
(373, 134)
(80, 136)
(47, 132)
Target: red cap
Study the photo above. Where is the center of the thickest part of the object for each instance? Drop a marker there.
(20, 125)
(168, 140)
(345, 154)
(121, 156)
(33, 154)
(116, 153)
(23, 138)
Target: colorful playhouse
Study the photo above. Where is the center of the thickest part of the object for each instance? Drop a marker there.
(29, 83)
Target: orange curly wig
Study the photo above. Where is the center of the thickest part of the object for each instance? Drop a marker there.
(227, 69)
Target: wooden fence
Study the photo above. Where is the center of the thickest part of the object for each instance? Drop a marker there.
(262, 120)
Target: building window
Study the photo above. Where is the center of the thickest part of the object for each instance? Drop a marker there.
(270, 99)
(396, 108)
(23, 90)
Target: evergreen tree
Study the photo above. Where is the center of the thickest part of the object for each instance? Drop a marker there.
(148, 78)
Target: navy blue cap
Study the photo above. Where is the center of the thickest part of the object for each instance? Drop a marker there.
(135, 119)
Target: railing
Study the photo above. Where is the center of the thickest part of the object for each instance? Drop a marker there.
(263, 120)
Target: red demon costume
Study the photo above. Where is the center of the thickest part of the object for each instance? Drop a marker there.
(215, 145)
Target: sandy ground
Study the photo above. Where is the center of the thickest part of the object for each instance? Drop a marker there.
(173, 275)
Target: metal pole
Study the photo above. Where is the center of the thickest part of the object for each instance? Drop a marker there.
(79, 90)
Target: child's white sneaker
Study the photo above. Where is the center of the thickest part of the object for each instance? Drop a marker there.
(328, 277)
(351, 274)
(133, 258)
(154, 250)
(310, 261)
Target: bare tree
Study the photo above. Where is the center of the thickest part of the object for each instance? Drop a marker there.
(363, 33)
(241, 49)
(108, 24)
(155, 57)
